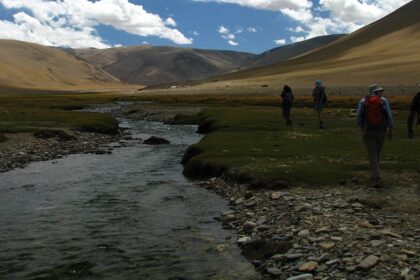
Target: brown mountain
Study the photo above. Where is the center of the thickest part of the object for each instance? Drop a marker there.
(286, 52)
(27, 65)
(386, 51)
(150, 65)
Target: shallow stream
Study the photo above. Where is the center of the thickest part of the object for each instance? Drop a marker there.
(127, 215)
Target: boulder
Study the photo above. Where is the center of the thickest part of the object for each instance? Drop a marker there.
(154, 140)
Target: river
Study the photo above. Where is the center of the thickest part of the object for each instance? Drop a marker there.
(127, 215)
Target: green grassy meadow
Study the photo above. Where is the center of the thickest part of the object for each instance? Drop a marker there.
(30, 112)
(254, 143)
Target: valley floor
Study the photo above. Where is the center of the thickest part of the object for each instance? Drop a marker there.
(334, 229)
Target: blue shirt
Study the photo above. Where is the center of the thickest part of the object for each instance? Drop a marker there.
(361, 112)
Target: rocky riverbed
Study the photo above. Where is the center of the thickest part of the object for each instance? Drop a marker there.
(22, 148)
(323, 233)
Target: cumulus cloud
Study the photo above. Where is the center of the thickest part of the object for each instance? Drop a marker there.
(295, 39)
(232, 43)
(73, 23)
(345, 16)
(330, 16)
(280, 42)
(273, 5)
(227, 35)
(252, 29)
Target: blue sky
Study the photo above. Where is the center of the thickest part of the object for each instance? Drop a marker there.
(240, 25)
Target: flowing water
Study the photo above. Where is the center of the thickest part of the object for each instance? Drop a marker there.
(127, 215)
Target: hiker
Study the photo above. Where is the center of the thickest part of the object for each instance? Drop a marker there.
(319, 94)
(414, 109)
(287, 96)
(375, 120)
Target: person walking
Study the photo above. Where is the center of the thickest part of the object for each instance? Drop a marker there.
(287, 97)
(375, 120)
(319, 93)
(414, 109)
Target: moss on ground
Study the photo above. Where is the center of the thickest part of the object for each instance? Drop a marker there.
(29, 112)
(253, 144)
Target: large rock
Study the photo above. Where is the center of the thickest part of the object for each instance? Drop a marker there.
(155, 141)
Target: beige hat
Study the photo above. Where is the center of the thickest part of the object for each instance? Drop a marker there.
(375, 88)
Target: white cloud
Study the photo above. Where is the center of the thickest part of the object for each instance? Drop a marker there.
(273, 5)
(232, 43)
(227, 35)
(170, 22)
(331, 16)
(280, 42)
(297, 29)
(252, 29)
(223, 30)
(195, 33)
(295, 39)
(73, 22)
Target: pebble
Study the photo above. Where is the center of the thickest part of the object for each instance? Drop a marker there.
(368, 262)
(306, 276)
(309, 266)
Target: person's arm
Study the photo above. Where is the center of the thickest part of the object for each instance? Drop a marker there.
(389, 119)
(410, 122)
(361, 114)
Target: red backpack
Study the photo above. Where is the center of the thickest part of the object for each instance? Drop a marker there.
(374, 111)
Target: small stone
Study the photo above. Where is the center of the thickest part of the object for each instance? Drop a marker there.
(368, 262)
(306, 276)
(377, 243)
(357, 205)
(276, 195)
(385, 258)
(274, 271)
(336, 238)
(294, 256)
(220, 248)
(304, 233)
(409, 252)
(326, 245)
(390, 233)
(331, 262)
(248, 226)
(366, 224)
(243, 240)
(309, 266)
(323, 229)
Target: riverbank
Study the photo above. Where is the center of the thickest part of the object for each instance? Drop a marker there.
(300, 197)
(329, 232)
(20, 149)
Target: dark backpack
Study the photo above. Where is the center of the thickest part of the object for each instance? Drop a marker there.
(287, 97)
(374, 111)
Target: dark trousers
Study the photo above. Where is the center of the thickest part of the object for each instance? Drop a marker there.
(286, 113)
(374, 140)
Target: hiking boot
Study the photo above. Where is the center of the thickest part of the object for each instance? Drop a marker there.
(378, 183)
(321, 125)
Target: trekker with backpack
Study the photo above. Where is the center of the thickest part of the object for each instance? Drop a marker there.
(375, 120)
(414, 109)
(319, 94)
(287, 96)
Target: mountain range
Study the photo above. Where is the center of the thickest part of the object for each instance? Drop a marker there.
(386, 52)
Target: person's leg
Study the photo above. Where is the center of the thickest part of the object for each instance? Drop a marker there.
(319, 113)
(371, 143)
(288, 121)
